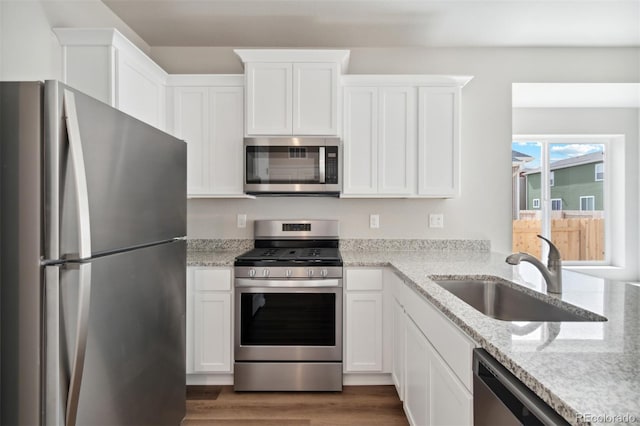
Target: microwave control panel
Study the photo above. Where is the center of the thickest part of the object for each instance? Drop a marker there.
(331, 164)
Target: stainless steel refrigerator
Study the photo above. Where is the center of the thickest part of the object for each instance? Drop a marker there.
(93, 258)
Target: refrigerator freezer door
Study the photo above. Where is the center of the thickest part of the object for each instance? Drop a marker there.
(125, 365)
(135, 177)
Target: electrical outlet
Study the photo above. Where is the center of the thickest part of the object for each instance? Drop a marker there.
(436, 220)
(242, 221)
(374, 221)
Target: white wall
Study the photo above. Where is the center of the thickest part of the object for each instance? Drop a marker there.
(484, 209)
(622, 166)
(29, 50)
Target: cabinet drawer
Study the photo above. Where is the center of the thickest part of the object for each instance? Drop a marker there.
(363, 279)
(449, 341)
(207, 279)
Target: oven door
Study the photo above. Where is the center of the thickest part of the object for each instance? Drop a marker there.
(288, 320)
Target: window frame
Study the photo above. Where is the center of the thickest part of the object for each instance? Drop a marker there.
(552, 178)
(588, 197)
(601, 172)
(535, 203)
(551, 203)
(614, 148)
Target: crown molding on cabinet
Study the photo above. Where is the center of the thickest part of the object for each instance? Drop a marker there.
(295, 55)
(196, 80)
(353, 80)
(73, 37)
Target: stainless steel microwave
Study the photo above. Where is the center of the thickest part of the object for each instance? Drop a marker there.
(292, 166)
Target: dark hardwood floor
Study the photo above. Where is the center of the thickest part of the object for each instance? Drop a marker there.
(355, 405)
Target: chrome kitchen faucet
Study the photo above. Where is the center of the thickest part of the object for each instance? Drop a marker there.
(552, 273)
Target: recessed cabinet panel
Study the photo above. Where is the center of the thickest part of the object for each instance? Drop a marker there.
(212, 332)
(192, 125)
(438, 141)
(226, 106)
(416, 398)
(139, 94)
(450, 402)
(361, 140)
(270, 98)
(363, 332)
(397, 143)
(315, 98)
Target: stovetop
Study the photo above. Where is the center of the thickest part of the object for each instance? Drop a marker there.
(290, 256)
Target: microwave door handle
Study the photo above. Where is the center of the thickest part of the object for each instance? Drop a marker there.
(321, 166)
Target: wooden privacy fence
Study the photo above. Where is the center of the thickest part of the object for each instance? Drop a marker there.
(577, 239)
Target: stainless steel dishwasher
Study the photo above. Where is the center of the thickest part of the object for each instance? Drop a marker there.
(500, 399)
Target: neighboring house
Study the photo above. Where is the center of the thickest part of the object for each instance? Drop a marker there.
(576, 184)
(518, 160)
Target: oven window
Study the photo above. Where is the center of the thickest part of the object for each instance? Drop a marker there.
(288, 319)
(283, 164)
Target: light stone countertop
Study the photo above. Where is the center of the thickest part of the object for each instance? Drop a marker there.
(578, 368)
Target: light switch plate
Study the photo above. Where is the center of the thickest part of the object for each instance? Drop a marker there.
(374, 221)
(242, 221)
(436, 220)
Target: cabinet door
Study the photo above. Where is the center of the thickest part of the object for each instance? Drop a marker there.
(315, 98)
(397, 141)
(212, 332)
(269, 98)
(191, 120)
(449, 401)
(225, 140)
(363, 332)
(397, 369)
(416, 397)
(139, 93)
(360, 140)
(438, 141)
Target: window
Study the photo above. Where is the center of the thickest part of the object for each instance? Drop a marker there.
(556, 204)
(587, 203)
(599, 171)
(563, 210)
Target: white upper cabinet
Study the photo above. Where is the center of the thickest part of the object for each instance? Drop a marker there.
(401, 136)
(292, 92)
(102, 63)
(439, 141)
(269, 98)
(315, 98)
(210, 119)
(379, 141)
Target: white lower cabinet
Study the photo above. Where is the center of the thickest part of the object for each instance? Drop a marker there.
(363, 320)
(209, 320)
(416, 398)
(399, 344)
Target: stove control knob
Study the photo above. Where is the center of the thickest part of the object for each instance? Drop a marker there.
(265, 273)
(287, 273)
(324, 273)
(252, 272)
(310, 272)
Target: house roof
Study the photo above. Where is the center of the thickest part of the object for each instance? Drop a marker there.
(594, 157)
(520, 157)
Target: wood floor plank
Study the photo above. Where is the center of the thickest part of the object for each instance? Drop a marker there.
(354, 406)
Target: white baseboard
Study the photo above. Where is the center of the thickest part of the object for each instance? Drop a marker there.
(353, 379)
(210, 379)
(367, 379)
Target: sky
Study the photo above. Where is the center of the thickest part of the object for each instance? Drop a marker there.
(558, 151)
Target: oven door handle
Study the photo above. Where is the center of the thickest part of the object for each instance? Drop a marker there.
(248, 282)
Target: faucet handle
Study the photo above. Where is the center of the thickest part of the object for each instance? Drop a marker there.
(554, 253)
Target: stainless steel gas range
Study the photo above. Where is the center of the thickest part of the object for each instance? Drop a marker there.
(288, 308)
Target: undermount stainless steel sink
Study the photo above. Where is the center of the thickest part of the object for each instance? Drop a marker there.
(498, 300)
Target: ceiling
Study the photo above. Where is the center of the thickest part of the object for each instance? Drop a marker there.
(382, 23)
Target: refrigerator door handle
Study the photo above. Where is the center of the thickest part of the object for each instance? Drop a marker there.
(54, 400)
(77, 366)
(80, 175)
